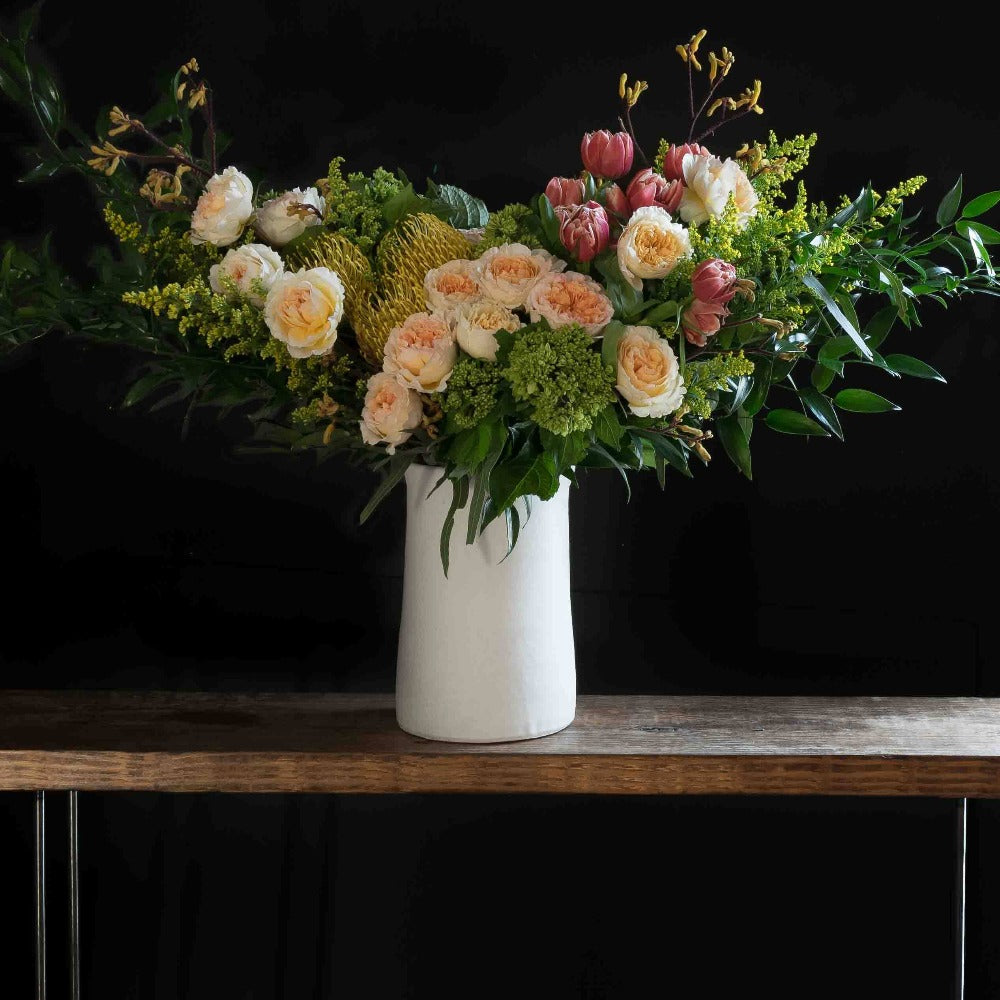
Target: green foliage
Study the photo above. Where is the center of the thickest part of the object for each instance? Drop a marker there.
(355, 204)
(559, 378)
(705, 379)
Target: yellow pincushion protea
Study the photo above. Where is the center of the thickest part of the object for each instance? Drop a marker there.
(413, 247)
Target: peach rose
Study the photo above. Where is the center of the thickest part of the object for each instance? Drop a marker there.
(303, 308)
(452, 284)
(570, 299)
(224, 208)
(391, 412)
(651, 245)
(421, 353)
(476, 325)
(649, 377)
(507, 273)
(249, 270)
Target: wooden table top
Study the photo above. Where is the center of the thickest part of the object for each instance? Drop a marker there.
(226, 742)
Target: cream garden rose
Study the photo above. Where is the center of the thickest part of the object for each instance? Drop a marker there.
(570, 299)
(709, 182)
(421, 352)
(224, 208)
(283, 218)
(452, 284)
(649, 377)
(475, 326)
(651, 245)
(303, 308)
(508, 273)
(251, 270)
(391, 412)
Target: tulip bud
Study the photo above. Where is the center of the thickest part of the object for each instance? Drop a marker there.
(584, 231)
(714, 281)
(565, 191)
(702, 320)
(649, 188)
(607, 154)
(617, 203)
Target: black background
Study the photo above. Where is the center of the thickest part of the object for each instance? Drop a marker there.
(134, 559)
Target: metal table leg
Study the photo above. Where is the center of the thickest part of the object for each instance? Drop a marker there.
(40, 895)
(74, 899)
(961, 838)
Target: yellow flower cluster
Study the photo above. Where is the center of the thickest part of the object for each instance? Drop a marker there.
(124, 232)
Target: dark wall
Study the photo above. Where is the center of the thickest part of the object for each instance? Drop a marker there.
(137, 560)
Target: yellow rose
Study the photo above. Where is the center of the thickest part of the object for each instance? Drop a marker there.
(303, 309)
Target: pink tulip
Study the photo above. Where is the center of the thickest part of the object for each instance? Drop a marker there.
(702, 320)
(673, 160)
(649, 188)
(584, 230)
(565, 191)
(617, 203)
(714, 281)
(607, 154)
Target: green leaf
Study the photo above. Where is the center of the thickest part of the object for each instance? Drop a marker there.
(607, 427)
(814, 285)
(144, 386)
(11, 87)
(734, 441)
(550, 224)
(498, 440)
(863, 401)
(627, 300)
(660, 313)
(470, 446)
(566, 450)
(905, 365)
(948, 208)
(530, 473)
(513, 528)
(822, 378)
(822, 410)
(609, 345)
(979, 250)
(980, 205)
(793, 422)
(879, 326)
(989, 235)
(607, 460)
(459, 498)
(398, 465)
(668, 447)
(463, 210)
(759, 389)
(404, 202)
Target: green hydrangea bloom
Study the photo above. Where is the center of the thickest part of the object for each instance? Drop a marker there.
(473, 389)
(560, 375)
(509, 225)
(354, 204)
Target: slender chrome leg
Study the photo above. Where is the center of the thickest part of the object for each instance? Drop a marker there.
(961, 831)
(74, 899)
(40, 895)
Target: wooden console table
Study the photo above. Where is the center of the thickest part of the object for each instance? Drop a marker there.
(330, 743)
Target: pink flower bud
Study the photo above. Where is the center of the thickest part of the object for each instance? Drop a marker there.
(714, 281)
(702, 320)
(584, 231)
(649, 188)
(673, 160)
(617, 203)
(565, 191)
(607, 154)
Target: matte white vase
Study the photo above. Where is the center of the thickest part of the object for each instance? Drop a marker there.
(486, 653)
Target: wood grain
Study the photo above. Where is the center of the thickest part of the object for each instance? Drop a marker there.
(181, 742)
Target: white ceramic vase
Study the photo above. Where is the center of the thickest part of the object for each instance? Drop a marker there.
(486, 653)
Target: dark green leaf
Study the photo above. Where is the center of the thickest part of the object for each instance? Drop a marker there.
(144, 386)
(513, 519)
(627, 300)
(822, 377)
(608, 428)
(398, 465)
(661, 471)
(459, 498)
(11, 87)
(606, 460)
(660, 313)
(758, 391)
(463, 210)
(609, 344)
(530, 473)
(498, 440)
(668, 447)
(980, 205)
(948, 208)
(793, 422)
(979, 250)
(566, 450)
(914, 367)
(550, 224)
(989, 235)
(863, 401)
(821, 408)
(879, 326)
(734, 441)
(814, 285)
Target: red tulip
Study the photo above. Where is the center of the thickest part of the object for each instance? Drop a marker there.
(565, 191)
(714, 281)
(673, 159)
(649, 188)
(584, 231)
(702, 320)
(607, 154)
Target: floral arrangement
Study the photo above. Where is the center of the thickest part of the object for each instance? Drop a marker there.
(628, 317)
